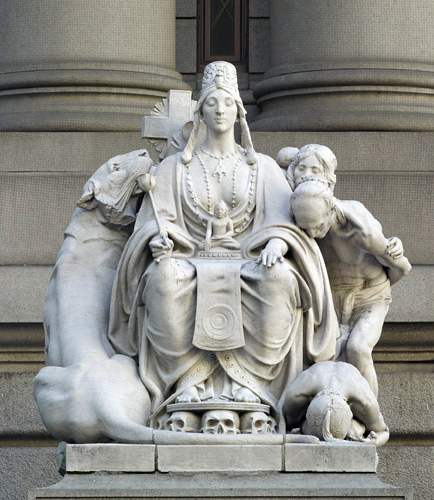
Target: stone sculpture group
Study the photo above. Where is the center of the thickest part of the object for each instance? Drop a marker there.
(217, 292)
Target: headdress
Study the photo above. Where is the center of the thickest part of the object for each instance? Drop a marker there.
(220, 75)
(329, 416)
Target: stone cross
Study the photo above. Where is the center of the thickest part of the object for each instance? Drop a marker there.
(164, 126)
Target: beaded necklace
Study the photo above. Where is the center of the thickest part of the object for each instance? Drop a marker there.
(219, 172)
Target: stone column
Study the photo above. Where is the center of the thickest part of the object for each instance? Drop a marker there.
(84, 65)
(348, 65)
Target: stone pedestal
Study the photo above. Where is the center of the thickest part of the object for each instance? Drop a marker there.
(85, 66)
(285, 471)
(339, 66)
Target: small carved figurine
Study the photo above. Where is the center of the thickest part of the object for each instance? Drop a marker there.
(220, 230)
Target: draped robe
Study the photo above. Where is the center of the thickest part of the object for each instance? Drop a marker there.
(288, 317)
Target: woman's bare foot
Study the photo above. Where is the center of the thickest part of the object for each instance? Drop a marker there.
(190, 395)
(245, 395)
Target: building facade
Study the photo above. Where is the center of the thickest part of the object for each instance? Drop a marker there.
(76, 77)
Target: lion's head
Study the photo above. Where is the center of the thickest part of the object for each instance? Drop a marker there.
(113, 185)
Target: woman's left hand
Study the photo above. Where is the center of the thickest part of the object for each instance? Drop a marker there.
(273, 252)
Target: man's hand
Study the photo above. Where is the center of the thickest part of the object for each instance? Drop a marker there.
(394, 247)
(273, 252)
(356, 431)
(88, 403)
(371, 438)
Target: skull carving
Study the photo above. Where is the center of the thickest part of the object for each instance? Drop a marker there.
(162, 422)
(220, 422)
(183, 421)
(257, 422)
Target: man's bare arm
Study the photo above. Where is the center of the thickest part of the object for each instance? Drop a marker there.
(365, 408)
(298, 398)
(368, 235)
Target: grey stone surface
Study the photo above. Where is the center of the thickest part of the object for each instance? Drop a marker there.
(408, 467)
(64, 22)
(200, 458)
(21, 347)
(186, 41)
(406, 401)
(413, 298)
(110, 457)
(186, 8)
(222, 485)
(187, 438)
(19, 415)
(96, 67)
(337, 67)
(366, 39)
(62, 152)
(259, 8)
(323, 457)
(330, 457)
(101, 109)
(34, 236)
(22, 469)
(259, 49)
(405, 343)
(22, 293)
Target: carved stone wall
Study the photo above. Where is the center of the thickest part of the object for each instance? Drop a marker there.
(74, 84)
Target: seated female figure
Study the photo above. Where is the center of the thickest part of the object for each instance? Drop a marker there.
(236, 330)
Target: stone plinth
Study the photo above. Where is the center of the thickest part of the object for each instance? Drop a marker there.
(289, 457)
(293, 471)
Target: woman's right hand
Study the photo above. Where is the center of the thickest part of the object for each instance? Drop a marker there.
(161, 247)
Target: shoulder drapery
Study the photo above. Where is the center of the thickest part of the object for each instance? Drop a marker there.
(271, 220)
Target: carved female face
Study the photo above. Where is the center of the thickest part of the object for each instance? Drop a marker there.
(219, 111)
(309, 167)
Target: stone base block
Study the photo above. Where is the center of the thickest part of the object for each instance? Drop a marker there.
(202, 458)
(108, 457)
(218, 471)
(237, 458)
(219, 485)
(330, 457)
